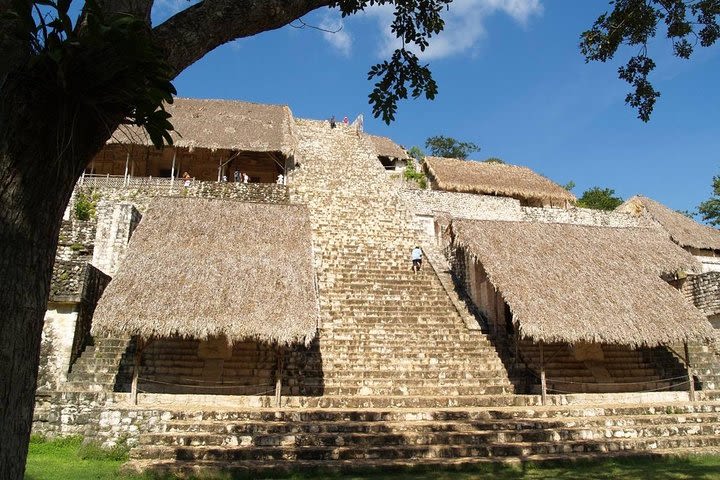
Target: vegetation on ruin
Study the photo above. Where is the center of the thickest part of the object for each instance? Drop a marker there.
(411, 174)
(599, 199)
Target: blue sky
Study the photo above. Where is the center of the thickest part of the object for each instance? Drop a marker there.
(511, 79)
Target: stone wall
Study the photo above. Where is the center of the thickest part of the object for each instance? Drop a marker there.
(67, 280)
(56, 344)
(704, 291)
(68, 318)
(115, 225)
(486, 207)
(76, 239)
(583, 216)
(465, 205)
(141, 197)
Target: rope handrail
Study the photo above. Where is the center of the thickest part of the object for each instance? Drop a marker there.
(617, 383)
(557, 390)
(196, 380)
(255, 393)
(174, 384)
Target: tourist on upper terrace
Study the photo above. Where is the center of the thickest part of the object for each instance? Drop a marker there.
(345, 121)
(246, 179)
(416, 256)
(280, 179)
(236, 176)
(332, 121)
(186, 178)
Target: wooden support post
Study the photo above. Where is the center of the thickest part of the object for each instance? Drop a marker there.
(136, 369)
(127, 162)
(691, 382)
(172, 171)
(278, 377)
(543, 386)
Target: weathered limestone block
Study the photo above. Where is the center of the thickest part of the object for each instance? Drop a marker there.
(56, 344)
(115, 225)
(74, 292)
(704, 291)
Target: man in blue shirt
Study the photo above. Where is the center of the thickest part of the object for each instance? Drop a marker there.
(416, 259)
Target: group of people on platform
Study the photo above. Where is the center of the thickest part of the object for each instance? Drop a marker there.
(358, 122)
(239, 177)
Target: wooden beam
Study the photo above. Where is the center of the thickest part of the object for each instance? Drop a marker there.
(543, 385)
(136, 368)
(691, 382)
(278, 376)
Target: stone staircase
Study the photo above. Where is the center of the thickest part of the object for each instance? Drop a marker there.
(104, 366)
(385, 331)
(622, 369)
(175, 366)
(271, 442)
(705, 362)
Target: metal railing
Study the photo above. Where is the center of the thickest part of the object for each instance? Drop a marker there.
(121, 181)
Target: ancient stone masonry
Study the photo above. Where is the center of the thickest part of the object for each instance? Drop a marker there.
(406, 368)
(141, 197)
(486, 207)
(115, 225)
(76, 240)
(386, 334)
(75, 289)
(704, 291)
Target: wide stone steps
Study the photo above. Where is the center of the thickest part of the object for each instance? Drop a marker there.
(283, 440)
(355, 452)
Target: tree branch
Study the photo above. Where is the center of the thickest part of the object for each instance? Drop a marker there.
(187, 36)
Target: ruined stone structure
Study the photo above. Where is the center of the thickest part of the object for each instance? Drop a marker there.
(403, 369)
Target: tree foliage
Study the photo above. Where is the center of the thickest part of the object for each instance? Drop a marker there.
(599, 199)
(109, 66)
(709, 210)
(634, 23)
(494, 160)
(417, 153)
(442, 146)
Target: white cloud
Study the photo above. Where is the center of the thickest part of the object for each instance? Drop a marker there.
(464, 25)
(337, 36)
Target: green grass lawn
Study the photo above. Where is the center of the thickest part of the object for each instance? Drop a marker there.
(68, 459)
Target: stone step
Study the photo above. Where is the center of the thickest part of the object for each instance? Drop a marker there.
(410, 433)
(357, 452)
(255, 469)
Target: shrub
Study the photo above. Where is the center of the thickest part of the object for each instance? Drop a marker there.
(85, 205)
(411, 174)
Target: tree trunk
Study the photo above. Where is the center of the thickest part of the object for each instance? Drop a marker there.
(41, 158)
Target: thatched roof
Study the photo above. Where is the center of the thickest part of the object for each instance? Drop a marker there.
(571, 283)
(206, 267)
(683, 230)
(222, 124)
(384, 147)
(494, 179)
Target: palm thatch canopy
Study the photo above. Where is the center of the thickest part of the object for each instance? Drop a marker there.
(683, 230)
(206, 267)
(222, 124)
(571, 283)
(490, 178)
(384, 147)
